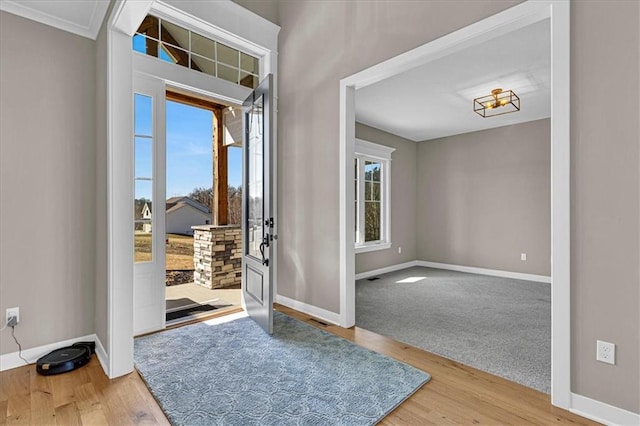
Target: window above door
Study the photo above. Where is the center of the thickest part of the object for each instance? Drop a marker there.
(175, 44)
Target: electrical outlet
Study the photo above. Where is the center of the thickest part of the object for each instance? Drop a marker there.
(523, 256)
(13, 317)
(399, 250)
(606, 352)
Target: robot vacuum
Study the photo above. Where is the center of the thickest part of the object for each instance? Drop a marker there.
(65, 359)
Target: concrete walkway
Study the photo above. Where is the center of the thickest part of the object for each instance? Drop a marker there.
(183, 295)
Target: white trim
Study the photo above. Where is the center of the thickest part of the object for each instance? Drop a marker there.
(509, 20)
(12, 360)
(101, 354)
(386, 269)
(602, 412)
(560, 204)
(375, 150)
(347, 195)
(484, 271)
(323, 314)
(119, 199)
(191, 80)
(375, 246)
(89, 30)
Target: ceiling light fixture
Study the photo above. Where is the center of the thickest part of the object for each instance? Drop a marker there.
(497, 103)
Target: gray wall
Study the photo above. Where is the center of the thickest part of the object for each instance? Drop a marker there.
(322, 42)
(403, 201)
(47, 182)
(268, 9)
(485, 197)
(605, 188)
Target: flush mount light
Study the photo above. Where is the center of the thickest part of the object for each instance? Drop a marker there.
(497, 103)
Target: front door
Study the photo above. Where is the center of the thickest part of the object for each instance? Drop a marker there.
(258, 221)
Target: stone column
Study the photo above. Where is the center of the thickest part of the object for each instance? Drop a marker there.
(217, 255)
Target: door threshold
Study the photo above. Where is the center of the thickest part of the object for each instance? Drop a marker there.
(203, 317)
(191, 305)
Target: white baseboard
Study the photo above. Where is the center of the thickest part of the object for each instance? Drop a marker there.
(386, 269)
(13, 360)
(323, 314)
(102, 356)
(601, 412)
(483, 271)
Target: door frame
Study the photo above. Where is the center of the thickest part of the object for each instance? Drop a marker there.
(225, 21)
(517, 17)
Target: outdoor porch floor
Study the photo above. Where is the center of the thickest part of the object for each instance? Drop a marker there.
(190, 294)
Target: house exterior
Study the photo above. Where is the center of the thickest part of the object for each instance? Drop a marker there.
(62, 152)
(146, 214)
(183, 213)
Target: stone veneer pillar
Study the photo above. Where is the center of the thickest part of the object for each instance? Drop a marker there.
(217, 255)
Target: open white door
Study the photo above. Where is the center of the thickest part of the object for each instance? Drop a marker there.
(149, 205)
(257, 205)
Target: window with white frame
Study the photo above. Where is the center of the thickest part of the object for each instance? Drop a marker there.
(372, 174)
(172, 43)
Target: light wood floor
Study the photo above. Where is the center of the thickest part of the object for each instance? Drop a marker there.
(456, 394)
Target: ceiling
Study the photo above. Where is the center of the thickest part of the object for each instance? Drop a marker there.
(79, 17)
(436, 99)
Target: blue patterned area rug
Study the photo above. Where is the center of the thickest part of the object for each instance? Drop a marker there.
(235, 374)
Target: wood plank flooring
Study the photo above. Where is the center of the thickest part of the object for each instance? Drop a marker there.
(456, 394)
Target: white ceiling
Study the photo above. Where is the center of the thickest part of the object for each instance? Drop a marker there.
(82, 17)
(436, 99)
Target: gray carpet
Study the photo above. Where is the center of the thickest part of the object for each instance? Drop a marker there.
(499, 325)
(235, 374)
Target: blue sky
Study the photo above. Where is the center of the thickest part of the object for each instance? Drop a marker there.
(189, 156)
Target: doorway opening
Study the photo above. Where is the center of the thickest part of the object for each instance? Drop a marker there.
(203, 210)
(459, 180)
(519, 16)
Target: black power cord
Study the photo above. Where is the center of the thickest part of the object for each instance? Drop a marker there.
(13, 334)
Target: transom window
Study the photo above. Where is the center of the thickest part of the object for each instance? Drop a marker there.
(172, 43)
(372, 173)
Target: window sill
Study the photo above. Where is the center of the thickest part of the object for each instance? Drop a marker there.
(372, 247)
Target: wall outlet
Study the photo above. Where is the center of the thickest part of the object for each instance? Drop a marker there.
(13, 317)
(606, 352)
(523, 256)
(399, 250)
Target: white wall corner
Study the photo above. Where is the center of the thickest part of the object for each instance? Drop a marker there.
(602, 412)
(314, 311)
(102, 356)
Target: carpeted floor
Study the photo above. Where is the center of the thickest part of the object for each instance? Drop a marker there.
(499, 325)
(233, 373)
